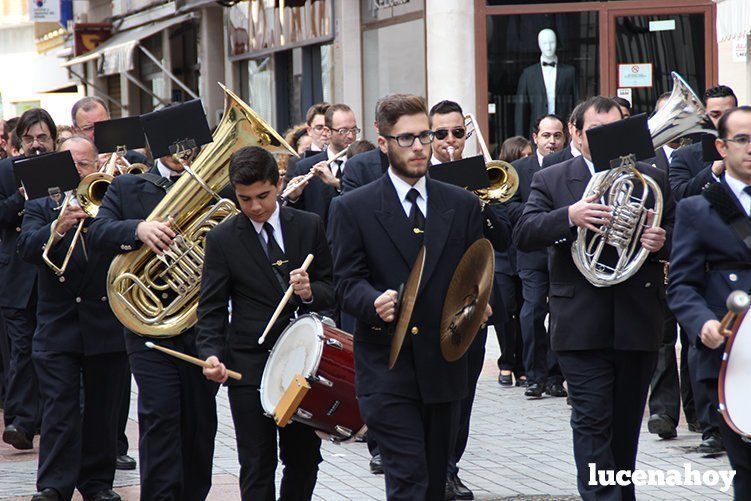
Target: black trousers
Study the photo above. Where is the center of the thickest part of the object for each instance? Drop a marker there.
(122, 418)
(507, 329)
(540, 362)
(608, 390)
(415, 440)
(22, 390)
(299, 449)
(4, 359)
(475, 359)
(78, 450)
(177, 425)
(667, 389)
(705, 401)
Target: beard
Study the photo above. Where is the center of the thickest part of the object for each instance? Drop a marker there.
(36, 150)
(402, 168)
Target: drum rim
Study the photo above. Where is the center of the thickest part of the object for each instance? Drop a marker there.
(723, 408)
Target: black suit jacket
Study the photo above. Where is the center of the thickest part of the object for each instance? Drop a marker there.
(364, 168)
(377, 255)
(532, 98)
(73, 313)
(236, 268)
(689, 173)
(17, 277)
(317, 196)
(526, 168)
(558, 157)
(695, 294)
(626, 316)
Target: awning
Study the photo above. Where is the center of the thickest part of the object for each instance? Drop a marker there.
(733, 19)
(116, 53)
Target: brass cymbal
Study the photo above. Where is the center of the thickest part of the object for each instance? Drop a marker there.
(404, 306)
(466, 299)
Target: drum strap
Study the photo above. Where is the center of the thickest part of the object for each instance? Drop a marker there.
(725, 205)
(157, 180)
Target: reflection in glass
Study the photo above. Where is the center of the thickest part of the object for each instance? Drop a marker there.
(261, 87)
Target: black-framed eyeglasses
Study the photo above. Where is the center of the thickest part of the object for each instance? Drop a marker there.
(741, 140)
(457, 132)
(344, 131)
(407, 140)
(29, 140)
(318, 128)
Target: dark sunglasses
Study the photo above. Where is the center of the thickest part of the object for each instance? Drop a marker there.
(457, 132)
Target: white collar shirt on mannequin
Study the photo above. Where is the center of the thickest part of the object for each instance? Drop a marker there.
(549, 74)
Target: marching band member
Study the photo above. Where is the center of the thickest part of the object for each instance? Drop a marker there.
(606, 338)
(250, 260)
(77, 341)
(412, 409)
(711, 257)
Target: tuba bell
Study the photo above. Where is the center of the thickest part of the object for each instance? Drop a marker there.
(504, 180)
(683, 113)
(157, 296)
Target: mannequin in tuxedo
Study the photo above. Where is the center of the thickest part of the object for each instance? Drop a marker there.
(547, 87)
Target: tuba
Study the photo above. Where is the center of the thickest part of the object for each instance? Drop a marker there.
(504, 180)
(683, 113)
(157, 296)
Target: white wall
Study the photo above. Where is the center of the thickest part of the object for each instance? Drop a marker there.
(737, 75)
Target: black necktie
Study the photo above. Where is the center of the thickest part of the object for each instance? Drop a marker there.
(544, 63)
(174, 177)
(747, 190)
(276, 254)
(416, 216)
(338, 164)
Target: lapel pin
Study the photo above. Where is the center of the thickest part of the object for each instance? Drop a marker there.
(417, 231)
(279, 262)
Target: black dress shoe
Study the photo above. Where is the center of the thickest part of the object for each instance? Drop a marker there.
(450, 493)
(522, 382)
(46, 495)
(556, 390)
(694, 428)
(534, 390)
(506, 380)
(17, 438)
(104, 495)
(711, 445)
(461, 491)
(662, 426)
(125, 462)
(376, 467)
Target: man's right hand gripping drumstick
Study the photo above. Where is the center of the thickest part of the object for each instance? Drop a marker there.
(217, 372)
(385, 305)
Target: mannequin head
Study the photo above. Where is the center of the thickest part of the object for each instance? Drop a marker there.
(547, 42)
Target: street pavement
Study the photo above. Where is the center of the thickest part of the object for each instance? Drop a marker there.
(518, 449)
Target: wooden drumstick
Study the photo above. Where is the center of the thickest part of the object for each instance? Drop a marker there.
(192, 360)
(737, 303)
(284, 301)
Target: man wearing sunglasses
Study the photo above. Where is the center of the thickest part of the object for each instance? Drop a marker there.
(710, 258)
(447, 122)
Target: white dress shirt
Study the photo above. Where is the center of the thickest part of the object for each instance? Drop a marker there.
(549, 74)
(574, 150)
(165, 171)
(403, 187)
(737, 186)
(539, 157)
(335, 166)
(275, 223)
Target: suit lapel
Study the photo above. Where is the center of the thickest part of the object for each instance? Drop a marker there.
(292, 238)
(394, 221)
(437, 227)
(249, 238)
(150, 196)
(578, 178)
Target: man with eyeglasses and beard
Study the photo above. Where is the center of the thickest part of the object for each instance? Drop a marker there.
(447, 123)
(18, 299)
(411, 409)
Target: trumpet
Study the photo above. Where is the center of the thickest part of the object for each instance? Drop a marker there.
(117, 164)
(307, 177)
(89, 194)
(504, 180)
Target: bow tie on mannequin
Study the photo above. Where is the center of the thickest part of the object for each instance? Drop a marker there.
(552, 64)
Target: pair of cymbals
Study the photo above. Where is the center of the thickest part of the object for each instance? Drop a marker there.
(463, 308)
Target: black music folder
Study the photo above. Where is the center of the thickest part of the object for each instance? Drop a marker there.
(176, 128)
(709, 151)
(625, 137)
(111, 134)
(46, 175)
(468, 173)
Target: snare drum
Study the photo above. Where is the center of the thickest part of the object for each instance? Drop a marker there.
(322, 354)
(735, 378)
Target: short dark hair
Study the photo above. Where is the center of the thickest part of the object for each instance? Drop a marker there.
(622, 102)
(87, 104)
(316, 109)
(536, 126)
(15, 140)
(35, 116)
(720, 91)
(722, 124)
(252, 164)
(329, 115)
(512, 148)
(395, 106)
(359, 146)
(576, 113)
(444, 108)
(601, 104)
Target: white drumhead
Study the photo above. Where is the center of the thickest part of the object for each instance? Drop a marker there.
(738, 378)
(297, 351)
